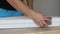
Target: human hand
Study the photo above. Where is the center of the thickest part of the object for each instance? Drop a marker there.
(39, 18)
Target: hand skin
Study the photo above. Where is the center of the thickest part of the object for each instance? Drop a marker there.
(36, 16)
(39, 18)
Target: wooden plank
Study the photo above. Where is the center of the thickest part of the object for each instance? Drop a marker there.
(48, 30)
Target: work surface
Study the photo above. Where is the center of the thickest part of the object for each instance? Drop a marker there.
(47, 30)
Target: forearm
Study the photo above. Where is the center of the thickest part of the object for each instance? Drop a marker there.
(37, 17)
(30, 3)
(19, 5)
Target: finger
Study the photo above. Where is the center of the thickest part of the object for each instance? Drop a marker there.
(46, 21)
(45, 24)
(37, 22)
(49, 19)
(41, 24)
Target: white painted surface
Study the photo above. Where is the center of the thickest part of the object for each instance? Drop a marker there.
(23, 22)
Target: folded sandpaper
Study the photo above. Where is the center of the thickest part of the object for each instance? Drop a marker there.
(48, 22)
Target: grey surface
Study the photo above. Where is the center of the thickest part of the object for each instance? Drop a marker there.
(49, 7)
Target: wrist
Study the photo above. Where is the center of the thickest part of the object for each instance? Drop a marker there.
(30, 13)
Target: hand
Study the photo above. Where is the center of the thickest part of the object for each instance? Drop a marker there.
(39, 18)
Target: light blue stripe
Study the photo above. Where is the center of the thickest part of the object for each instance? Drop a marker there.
(9, 13)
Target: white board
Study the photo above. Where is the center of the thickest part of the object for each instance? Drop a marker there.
(23, 22)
